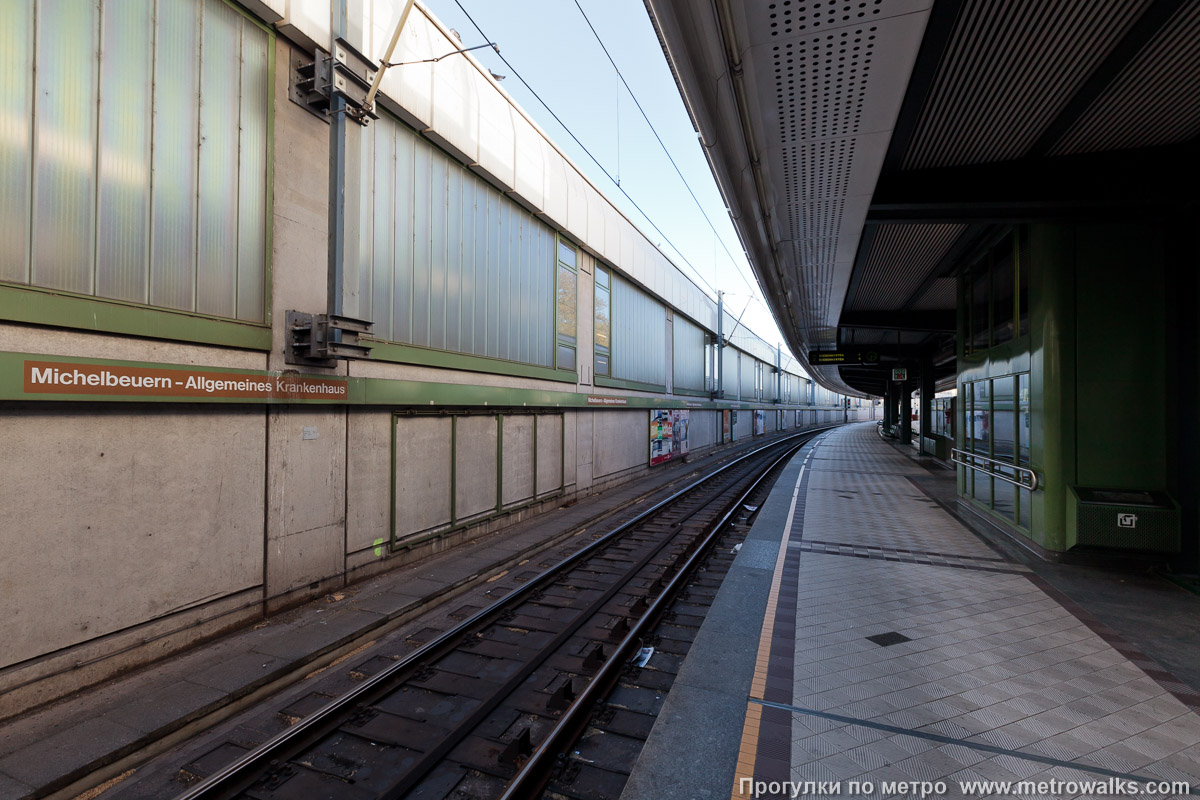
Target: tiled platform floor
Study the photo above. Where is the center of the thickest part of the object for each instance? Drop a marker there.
(998, 676)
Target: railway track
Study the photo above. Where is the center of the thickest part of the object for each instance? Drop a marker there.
(489, 708)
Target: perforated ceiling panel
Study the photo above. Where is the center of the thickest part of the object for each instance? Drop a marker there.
(826, 79)
(795, 101)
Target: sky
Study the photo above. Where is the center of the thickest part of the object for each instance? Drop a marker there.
(549, 43)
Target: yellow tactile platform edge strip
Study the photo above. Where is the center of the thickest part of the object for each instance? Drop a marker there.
(748, 752)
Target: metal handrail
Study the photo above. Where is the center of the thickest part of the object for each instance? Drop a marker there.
(1031, 485)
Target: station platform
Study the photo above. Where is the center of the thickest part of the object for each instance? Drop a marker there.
(867, 642)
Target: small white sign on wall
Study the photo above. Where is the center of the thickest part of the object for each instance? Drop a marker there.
(310, 432)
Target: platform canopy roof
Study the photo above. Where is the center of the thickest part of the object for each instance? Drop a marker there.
(865, 148)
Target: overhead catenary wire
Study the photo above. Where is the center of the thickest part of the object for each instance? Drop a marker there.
(663, 145)
(595, 160)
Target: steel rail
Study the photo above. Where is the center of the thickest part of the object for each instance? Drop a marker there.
(412, 776)
(1031, 485)
(240, 774)
(536, 772)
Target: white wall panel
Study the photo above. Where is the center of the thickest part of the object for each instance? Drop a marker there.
(496, 138)
(456, 106)
(530, 175)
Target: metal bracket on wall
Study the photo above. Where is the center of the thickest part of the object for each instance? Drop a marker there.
(347, 73)
(319, 340)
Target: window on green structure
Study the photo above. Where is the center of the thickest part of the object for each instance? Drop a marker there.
(1024, 270)
(1004, 276)
(603, 324)
(567, 306)
(978, 296)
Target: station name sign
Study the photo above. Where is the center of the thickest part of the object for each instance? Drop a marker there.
(56, 377)
(820, 358)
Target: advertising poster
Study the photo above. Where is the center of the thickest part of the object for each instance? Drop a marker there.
(668, 435)
(760, 423)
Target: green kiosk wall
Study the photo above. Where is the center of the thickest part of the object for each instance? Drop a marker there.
(1080, 364)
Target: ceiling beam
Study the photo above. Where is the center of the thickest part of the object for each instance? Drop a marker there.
(1126, 182)
(927, 321)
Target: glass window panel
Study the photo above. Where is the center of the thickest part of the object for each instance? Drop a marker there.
(123, 182)
(1004, 419)
(1025, 502)
(566, 357)
(602, 278)
(1005, 496)
(1024, 271)
(979, 306)
(252, 175)
(1003, 293)
(216, 235)
(64, 140)
(568, 291)
(603, 341)
(601, 364)
(16, 98)
(176, 126)
(1024, 429)
(566, 254)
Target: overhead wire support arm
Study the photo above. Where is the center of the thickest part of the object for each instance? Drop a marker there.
(386, 64)
(369, 103)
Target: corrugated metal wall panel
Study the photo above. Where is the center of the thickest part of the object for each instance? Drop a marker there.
(16, 111)
(103, 147)
(639, 335)
(731, 379)
(447, 261)
(217, 221)
(176, 140)
(123, 200)
(253, 191)
(688, 345)
(64, 147)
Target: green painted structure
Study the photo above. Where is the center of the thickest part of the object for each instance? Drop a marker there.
(1063, 370)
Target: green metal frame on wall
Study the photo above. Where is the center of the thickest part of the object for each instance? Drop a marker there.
(360, 391)
(500, 510)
